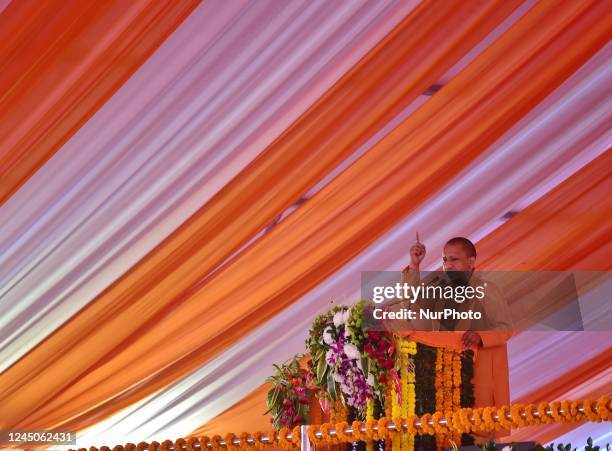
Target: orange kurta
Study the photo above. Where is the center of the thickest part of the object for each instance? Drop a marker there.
(491, 373)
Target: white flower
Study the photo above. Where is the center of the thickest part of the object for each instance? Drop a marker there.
(346, 315)
(338, 318)
(370, 380)
(351, 351)
(338, 378)
(327, 338)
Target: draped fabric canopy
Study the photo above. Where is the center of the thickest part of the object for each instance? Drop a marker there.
(185, 185)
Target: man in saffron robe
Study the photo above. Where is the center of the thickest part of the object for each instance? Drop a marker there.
(491, 380)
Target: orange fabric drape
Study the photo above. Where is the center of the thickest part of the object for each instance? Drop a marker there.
(386, 81)
(60, 61)
(573, 378)
(589, 190)
(569, 227)
(245, 416)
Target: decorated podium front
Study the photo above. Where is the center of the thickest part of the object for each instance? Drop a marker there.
(357, 377)
(374, 390)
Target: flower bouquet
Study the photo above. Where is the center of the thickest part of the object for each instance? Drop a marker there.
(350, 364)
(288, 399)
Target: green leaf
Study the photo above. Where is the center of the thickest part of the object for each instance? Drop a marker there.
(365, 364)
(321, 369)
(331, 387)
(274, 396)
(320, 355)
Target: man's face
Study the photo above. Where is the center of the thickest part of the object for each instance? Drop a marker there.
(455, 258)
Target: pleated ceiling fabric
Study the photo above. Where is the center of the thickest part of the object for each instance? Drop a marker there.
(559, 137)
(184, 185)
(163, 146)
(488, 97)
(246, 196)
(574, 213)
(60, 61)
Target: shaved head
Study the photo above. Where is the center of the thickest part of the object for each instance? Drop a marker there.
(466, 244)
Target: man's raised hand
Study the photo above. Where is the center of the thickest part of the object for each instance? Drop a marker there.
(417, 254)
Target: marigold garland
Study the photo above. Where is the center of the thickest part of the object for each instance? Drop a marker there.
(448, 385)
(203, 441)
(465, 420)
(439, 428)
(439, 380)
(327, 438)
(370, 432)
(388, 407)
(191, 441)
(482, 419)
(588, 410)
(283, 441)
(396, 414)
(603, 408)
(370, 420)
(296, 436)
(502, 414)
(383, 431)
(257, 436)
(544, 418)
(312, 436)
(229, 442)
(407, 349)
(216, 446)
(530, 419)
(515, 413)
(411, 424)
(343, 437)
